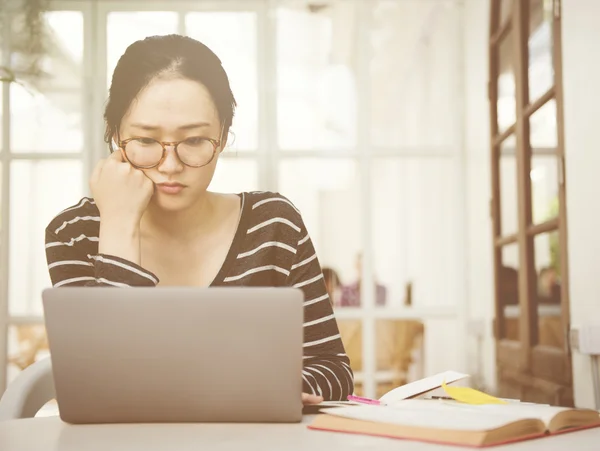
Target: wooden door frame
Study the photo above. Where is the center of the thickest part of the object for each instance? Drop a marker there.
(534, 363)
(498, 32)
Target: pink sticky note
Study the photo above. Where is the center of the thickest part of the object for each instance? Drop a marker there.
(362, 400)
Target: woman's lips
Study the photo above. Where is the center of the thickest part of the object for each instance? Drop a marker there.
(170, 188)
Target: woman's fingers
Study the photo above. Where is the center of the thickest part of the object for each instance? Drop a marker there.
(308, 399)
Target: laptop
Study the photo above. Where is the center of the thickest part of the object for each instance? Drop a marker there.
(176, 354)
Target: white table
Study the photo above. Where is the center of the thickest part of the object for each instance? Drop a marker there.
(51, 434)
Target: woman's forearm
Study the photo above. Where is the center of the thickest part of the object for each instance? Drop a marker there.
(121, 239)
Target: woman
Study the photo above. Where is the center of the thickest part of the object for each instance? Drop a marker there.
(152, 221)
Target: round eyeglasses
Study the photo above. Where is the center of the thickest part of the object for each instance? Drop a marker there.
(146, 153)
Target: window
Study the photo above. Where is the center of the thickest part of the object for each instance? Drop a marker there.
(43, 172)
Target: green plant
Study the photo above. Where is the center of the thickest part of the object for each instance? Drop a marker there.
(22, 23)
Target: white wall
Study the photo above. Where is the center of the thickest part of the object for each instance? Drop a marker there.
(479, 272)
(581, 73)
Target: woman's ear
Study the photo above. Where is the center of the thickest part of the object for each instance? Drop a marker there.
(224, 138)
(114, 144)
(109, 138)
(113, 141)
(229, 138)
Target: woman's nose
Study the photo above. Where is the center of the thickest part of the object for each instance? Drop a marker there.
(171, 162)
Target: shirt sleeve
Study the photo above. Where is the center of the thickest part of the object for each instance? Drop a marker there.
(326, 369)
(70, 265)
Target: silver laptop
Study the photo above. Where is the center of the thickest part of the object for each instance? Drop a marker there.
(140, 355)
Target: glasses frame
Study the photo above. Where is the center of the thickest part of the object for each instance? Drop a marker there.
(216, 143)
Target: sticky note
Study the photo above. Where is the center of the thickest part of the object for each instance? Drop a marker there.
(469, 395)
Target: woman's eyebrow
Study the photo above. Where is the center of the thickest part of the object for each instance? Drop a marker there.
(181, 127)
(194, 125)
(145, 126)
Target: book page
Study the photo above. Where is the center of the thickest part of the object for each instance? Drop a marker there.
(515, 410)
(520, 411)
(426, 414)
(421, 386)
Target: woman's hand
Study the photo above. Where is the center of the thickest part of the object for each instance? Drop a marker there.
(122, 194)
(308, 399)
(121, 191)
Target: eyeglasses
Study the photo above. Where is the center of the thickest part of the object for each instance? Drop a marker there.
(146, 153)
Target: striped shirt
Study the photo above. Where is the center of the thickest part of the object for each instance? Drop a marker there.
(271, 247)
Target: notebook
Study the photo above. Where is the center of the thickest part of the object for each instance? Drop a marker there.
(410, 390)
(454, 423)
(421, 386)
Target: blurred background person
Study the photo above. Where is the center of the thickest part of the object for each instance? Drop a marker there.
(351, 293)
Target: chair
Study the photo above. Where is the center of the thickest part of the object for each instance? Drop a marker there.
(397, 342)
(29, 392)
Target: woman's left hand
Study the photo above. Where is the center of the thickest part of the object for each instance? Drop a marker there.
(309, 400)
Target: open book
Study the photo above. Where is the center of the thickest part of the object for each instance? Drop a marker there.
(451, 422)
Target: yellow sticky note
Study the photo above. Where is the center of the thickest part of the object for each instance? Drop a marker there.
(470, 395)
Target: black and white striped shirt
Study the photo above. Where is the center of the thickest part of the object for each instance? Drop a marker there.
(271, 247)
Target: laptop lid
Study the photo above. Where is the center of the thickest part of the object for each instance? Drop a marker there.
(176, 354)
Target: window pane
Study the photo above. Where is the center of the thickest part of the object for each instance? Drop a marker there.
(66, 37)
(509, 291)
(124, 28)
(235, 175)
(544, 187)
(507, 102)
(328, 203)
(39, 190)
(541, 47)
(56, 118)
(52, 105)
(412, 205)
(505, 10)
(414, 76)
(548, 271)
(232, 36)
(542, 127)
(316, 97)
(509, 219)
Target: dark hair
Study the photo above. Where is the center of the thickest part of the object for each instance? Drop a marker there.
(154, 56)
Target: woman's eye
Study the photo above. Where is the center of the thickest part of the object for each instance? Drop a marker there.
(145, 141)
(195, 141)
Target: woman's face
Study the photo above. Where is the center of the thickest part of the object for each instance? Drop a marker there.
(173, 110)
